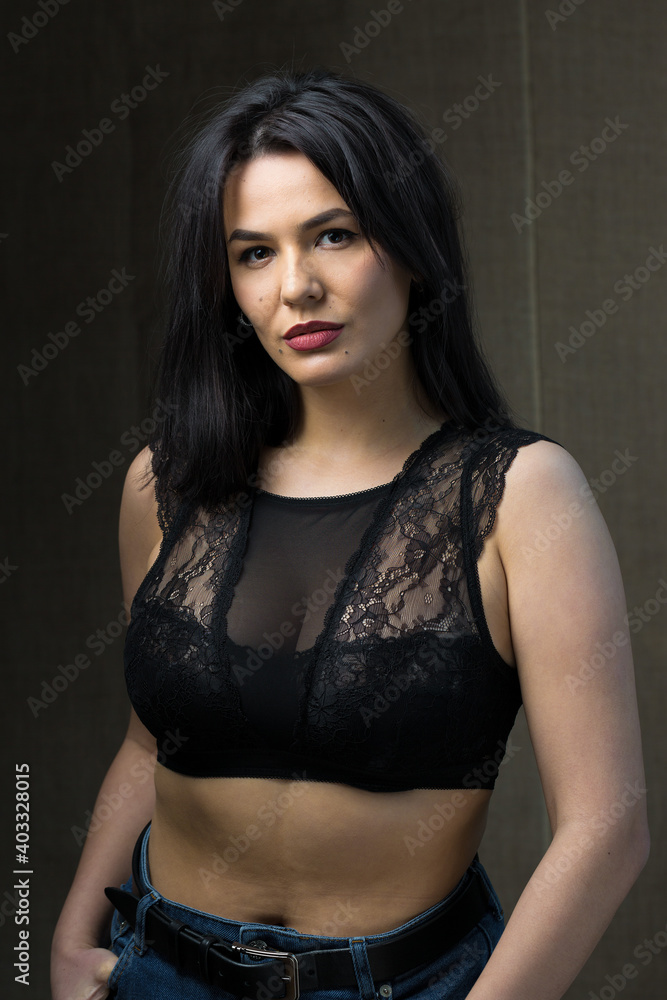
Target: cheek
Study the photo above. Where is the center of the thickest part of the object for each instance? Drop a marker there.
(252, 295)
(364, 284)
(381, 291)
(242, 288)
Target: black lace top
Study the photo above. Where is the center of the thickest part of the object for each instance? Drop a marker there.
(335, 639)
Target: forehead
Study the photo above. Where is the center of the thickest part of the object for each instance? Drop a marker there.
(275, 185)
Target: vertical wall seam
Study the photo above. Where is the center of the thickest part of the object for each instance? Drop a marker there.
(531, 254)
(530, 232)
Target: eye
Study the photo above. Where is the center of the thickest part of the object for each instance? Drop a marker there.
(247, 255)
(339, 236)
(330, 237)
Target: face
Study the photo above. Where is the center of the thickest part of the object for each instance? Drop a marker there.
(297, 256)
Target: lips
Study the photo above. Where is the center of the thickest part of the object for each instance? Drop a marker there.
(311, 341)
(311, 327)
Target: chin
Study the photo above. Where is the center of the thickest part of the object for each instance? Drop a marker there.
(320, 370)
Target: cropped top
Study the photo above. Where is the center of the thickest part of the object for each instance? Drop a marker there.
(337, 639)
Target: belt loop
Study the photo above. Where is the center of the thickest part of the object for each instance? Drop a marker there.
(143, 906)
(362, 968)
(202, 957)
(142, 844)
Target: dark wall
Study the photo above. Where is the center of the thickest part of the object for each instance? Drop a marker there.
(77, 373)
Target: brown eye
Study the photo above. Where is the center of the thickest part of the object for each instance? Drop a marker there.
(339, 236)
(247, 254)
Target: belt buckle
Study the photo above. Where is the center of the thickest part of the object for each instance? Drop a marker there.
(291, 980)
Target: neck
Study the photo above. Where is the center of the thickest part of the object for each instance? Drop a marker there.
(351, 418)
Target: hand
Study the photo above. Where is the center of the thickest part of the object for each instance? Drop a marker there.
(82, 974)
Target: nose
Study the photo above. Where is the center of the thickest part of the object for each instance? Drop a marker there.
(299, 281)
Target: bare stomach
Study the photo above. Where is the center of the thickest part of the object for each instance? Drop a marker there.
(321, 858)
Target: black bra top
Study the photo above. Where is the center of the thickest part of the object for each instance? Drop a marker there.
(336, 639)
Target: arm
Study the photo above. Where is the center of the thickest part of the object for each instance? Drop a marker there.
(569, 631)
(79, 967)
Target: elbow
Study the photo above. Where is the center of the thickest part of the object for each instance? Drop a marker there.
(632, 845)
(620, 843)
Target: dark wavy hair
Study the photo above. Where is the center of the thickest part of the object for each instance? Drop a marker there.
(222, 394)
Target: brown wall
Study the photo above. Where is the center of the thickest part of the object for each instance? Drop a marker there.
(554, 87)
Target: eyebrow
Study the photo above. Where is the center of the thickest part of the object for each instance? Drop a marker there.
(317, 220)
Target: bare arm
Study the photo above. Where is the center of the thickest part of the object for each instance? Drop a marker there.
(106, 855)
(568, 619)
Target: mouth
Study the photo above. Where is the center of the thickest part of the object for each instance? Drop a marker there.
(309, 336)
(314, 326)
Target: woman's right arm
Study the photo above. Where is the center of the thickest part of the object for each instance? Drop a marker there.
(79, 965)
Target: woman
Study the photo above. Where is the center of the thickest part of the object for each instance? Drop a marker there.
(337, 605)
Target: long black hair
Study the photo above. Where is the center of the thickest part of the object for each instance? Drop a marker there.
(223, 395)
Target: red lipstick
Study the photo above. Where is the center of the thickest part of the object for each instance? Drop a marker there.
(308, 336)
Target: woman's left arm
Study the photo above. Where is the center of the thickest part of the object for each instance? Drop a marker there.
(570, 636)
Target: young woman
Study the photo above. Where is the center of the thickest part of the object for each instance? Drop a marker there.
(338, 606)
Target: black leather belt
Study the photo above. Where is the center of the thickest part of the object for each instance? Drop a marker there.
(286, 975)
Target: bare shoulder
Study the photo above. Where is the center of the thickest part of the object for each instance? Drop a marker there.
(139, 531)
(138, 503)
(539, 467)
(545, 490)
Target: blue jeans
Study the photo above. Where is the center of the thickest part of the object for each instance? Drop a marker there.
(142, 974)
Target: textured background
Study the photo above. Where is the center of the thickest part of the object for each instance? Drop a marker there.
(557, 78)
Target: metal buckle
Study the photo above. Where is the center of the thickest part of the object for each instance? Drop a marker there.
(287, 956)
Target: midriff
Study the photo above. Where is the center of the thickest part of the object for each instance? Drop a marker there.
(319, 857)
